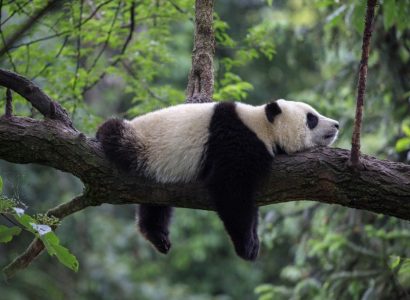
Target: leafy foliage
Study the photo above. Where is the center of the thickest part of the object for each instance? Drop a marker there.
(42, 231)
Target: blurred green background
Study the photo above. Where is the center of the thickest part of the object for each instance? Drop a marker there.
(297, 49)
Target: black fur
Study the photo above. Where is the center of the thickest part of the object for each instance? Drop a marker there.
(272, 109)
(122, 151)
(279, 150)
(153, 222)
(312, 120)
(236, 161)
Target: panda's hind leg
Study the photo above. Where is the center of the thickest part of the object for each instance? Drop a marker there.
(153, 222)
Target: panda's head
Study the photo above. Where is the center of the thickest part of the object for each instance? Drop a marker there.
(296, 126)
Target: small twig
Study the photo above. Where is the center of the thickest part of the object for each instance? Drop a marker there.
(11, 220)
(124, 48)
(27, 25)
(177, 7)
(4, 40)
(361, 86)
(62, 32)
(36, 247)
(14, 12)
(28, 14)
(9, 104)
(28, 60)
(56, 56)
(77, 67)
(107, 40)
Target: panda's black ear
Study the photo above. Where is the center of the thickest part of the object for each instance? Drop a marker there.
(272, 109)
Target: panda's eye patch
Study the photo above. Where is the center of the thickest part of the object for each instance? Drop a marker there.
(312, 120)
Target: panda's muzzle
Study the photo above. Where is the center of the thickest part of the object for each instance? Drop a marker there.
(333, 132)
(330, 135)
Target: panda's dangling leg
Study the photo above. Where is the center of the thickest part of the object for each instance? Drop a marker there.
(153, 222)
(240, 217)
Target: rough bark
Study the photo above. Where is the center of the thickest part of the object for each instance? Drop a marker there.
(361, 84)
(320, 174)
(201, 78)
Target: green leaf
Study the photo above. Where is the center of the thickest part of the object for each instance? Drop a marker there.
(403, 144)
(404, 272)
(1, 184)
(52, 244)
(359, 16)
(26, 221)
(406, 129)
(395, 261)
(7, 233)
(263, 288)
(389, 13)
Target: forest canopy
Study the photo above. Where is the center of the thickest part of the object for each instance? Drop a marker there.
(103, 58)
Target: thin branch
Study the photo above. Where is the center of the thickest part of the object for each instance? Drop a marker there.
(4, 40)
(14, 12)
(36, 247)
(177, 7)
(27, 25)
(47, 65)
(123, 49)
(30, 91)
(28, 62)
(78, 48)
(9, 104)
(21, 8)
(361, 85)
(66, 32)
(105, 44)
(357, 274)
(11, 220)
(42, 39)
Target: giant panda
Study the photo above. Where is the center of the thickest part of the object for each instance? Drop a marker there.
(228, 146)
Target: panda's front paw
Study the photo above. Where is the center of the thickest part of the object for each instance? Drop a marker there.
(248, 249)
(159, 240)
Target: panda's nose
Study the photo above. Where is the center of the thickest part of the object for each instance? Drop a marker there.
(337, 125)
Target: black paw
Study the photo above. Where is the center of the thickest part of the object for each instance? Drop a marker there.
(159, 240)
(248, 249)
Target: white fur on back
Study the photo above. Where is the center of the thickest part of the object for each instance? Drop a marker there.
(174, 139)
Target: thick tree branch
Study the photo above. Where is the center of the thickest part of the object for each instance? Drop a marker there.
(35, 95)
(319, 175)
(361, 85)
(201, 78)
